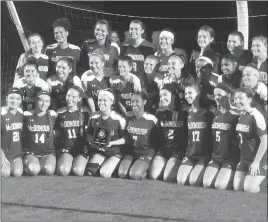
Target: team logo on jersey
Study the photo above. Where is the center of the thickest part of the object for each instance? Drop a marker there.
(102, 134)
(265, 167)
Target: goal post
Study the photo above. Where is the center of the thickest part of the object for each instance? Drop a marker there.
(242, 20)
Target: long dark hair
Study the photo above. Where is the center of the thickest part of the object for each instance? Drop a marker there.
(107, 40)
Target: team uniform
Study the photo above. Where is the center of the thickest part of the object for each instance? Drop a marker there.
(244, 58)
(110, 55)
(38, 139)
(173, 131)
(30, 94)
(262, 69)
(123, 91)
(11, 133)
(234, 81)
(142, 137)
(42, 65)
(249, 128)
(58, 90)
(225, 144)
(114, 125)
(138, 55)
(54, 53)
(67, 127)
(199, 147)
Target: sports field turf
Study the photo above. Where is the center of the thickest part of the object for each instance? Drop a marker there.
(87, 198)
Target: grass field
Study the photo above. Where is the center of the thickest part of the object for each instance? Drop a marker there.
(86, 198)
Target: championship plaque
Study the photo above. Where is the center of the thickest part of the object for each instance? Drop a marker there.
(101, 136)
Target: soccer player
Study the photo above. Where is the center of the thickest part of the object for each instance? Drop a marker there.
(142, 143)
(109, 126)
(235, 45)
(38, 137)
(259, 50)
(205, 40)
(124, 85)
(60, 83)
(102, 42)
(70, 135)
(231, 75)
(94, 80)
(172, 128)
(62, 48)
(114, 37)
(225, 155)
(36, 44)
(30, 84)
(199, 149)
(11, 134)
(138, 49)
(252, 130)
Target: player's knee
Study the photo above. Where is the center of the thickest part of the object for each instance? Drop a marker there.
(63, 170)
(181, 179)
(237, 185)
(5, 171)
(92, 168)
(16, 172)
(135, 175)
(78, 171)
(48, 169)
(153, 174)
(251, 188)
(193, 180)
(219, 185)
(122, 173)
(32, 169)
(105, 173)
(207, 182)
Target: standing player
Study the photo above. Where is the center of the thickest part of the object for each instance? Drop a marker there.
(94, 80)
(142, 142)
(36, 44)
(225, 154)
(101, 42)
(124, 85)
(30, 84)
(70, 139)
(252, 131)
(62, 48)
(114, 37)
(173, 131)
(11, 130)
(110, 126)
(60, 83)
(199, 147)
(38, 138)
(138, 49)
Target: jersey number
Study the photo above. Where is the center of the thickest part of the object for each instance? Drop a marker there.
(16, 136)
(71, 133)
(135, 139)
(195, 136)
(240, 138)
(170, 134)
(134, 66)
(40, 139)
(218, 136)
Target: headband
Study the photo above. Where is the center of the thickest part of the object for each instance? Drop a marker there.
(14, 90)
(43, 92)
(167, 34)
(225, 88)
(208, 60)
(180, 57)
(107, 93)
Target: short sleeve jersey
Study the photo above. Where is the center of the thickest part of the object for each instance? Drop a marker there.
(262, 69)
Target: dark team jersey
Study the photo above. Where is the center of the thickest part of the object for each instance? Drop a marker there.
(225, 143)
(58, 90)
(234, 81)
(250, 127)
(199, 133)
(163, 60)
(37, 136)
(173, 130)
(68, 128)
(30, 93)
(245, 57)
(54, 53)
(92, 86)
(11, 132)
(138, 54)
(42, 65)
(260, 103)
(142, 134)
(110, 55)
(123, 90)
(262, 69)
(114, 126)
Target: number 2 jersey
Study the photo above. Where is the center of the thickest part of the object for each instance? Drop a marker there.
(199, 133)
(11, 132)
(39, 133)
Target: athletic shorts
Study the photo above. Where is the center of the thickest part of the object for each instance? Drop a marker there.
(147, 158)
(192, 161)
(170, 154)
(72, 152)
(217, 164)
(36, 154)
(244, 165)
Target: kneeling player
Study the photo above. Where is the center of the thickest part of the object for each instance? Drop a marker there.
(39, 135)
(199, 149)
(252, 131)
(141, 129)
(225, 154)
(70, 139)
(105, 135)
(173, 131)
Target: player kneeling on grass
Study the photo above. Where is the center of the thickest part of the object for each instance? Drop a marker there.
(225, 156)
(141, 129)
(199, 149)
(173, 131)
(70, 140)
(252, 131)
(11, 129)
(38, 138)
(105, 135)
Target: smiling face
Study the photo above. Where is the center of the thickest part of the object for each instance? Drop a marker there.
(63, 69)
(14, 100)
(72, 98)
(124, 68)
(137, 104)
(101, 31)
(199, 64)
(104, 102)
(165, 97)
(44, 102)
(228, 67)
(149, 65)
(258, 48)
(204, 38)
(60, 34)
(190, 94)
(242, 101)
(96, 64)
(114, 37)
(165, 42)
(250, 77)
(30, 74)
(36, 44)
(174, 65)
(233, 42)
(219, 94)
(135, 30)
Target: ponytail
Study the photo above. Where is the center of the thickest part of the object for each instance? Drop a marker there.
(50, 123)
